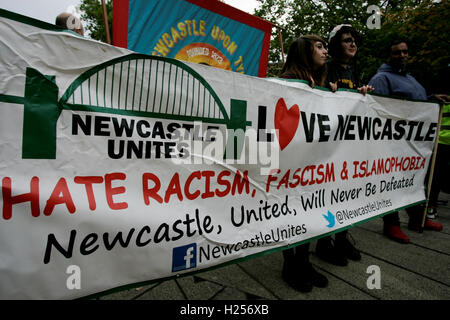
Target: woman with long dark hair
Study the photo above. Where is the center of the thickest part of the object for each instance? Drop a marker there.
(343, 45)
(306, 60)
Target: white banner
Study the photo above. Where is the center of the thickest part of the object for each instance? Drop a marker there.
(119, 168)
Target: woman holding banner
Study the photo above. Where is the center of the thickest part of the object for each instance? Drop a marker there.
(306, 60)
(343, 44)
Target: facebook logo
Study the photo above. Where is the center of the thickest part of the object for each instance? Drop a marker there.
(184, 257)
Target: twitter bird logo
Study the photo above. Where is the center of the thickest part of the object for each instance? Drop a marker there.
(330, 219)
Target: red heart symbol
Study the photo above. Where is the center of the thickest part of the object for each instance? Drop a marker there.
(286, 122)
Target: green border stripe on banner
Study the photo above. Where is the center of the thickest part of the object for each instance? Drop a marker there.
(355, 91)
(156, 115)
(12, 99)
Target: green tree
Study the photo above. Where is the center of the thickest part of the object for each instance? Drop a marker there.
(423, 23)
(299, 17)
(426, 28)
(92, 16)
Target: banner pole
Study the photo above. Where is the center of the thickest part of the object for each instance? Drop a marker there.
(105, 20)
(281, 43)
(433, 160)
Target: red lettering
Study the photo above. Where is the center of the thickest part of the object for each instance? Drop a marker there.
(271, 178)
(302, 182)
(110, 191)
(380, 166)
(312, 167)
(153, 192)
(284, 180)
(9, 200)
(240, 183)
(223, 182)
(60, 195)
(386, 166)
(355, 164)
(208, 193)
(413, 163)
(320, 173)
(374, 168)
(88, 181)
(406, 164)
(296, 179)
(363, 168)
(174, 188)
(422, 166)
(329, 174)
(392, 164)
(398, 165)
(189, 195)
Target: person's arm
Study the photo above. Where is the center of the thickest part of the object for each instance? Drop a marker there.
(444, 98)
(380, 85)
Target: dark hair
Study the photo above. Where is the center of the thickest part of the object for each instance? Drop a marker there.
(394, 43)
(61, 20)
(335, 47)
(299, 63)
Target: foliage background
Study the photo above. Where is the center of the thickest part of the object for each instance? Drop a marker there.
(92, 16)
(423, 23)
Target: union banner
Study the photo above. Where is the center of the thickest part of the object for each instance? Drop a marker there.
(208, 32)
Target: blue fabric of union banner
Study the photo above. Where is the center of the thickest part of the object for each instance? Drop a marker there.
(183, 30)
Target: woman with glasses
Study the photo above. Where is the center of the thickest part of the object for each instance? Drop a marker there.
(343, 47)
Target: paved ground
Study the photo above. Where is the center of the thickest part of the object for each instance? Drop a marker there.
(416, 271)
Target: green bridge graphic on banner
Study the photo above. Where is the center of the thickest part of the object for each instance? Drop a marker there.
(133, 85)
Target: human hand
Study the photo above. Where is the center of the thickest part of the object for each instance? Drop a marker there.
(333, 86)
(365, 89)
(313, 84)
(442, 98)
